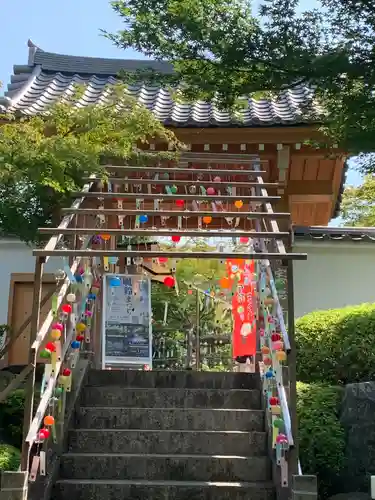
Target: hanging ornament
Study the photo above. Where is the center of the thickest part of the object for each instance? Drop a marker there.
(75, 344)
(173, 189)
(104, 237)
(66, 308)
(45, 354)
(207, 219)
(169, 281)
(278, 346)
(50, 346)
(55, 334)
(273, 401)
(44, 434)
(96, 239)
(211, 191)
(180, 203)
(265, 349)
(192, 189)
(115, 282)
(143, 218)
(58, 326)
(224, 283)
(238, 203)
(80, 327)
(49, 420)
(80, 338)
(71, 297)
(281, 356)
(175, 238)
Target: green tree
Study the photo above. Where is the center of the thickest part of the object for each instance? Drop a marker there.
(182, 309)
(44, 158)
(223, 50)
(358, 204)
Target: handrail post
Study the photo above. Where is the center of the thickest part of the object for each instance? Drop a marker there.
(30, 386)
(292, 360)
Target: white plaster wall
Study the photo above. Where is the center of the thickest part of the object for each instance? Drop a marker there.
(16, 257)
(336, 274)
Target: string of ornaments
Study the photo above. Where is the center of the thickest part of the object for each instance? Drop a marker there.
(69, 334)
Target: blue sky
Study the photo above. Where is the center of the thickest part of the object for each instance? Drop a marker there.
(69, 27)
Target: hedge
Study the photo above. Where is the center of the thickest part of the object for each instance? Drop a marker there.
(321, 436)
(337, 346)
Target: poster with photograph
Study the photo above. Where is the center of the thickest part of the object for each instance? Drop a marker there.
(127, 336)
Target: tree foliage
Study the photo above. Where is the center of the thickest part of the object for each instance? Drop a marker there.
(223, 50)
(44, 158)
(358, 204)
(214, 319)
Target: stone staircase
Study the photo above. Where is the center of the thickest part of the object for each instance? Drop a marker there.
(167, 435)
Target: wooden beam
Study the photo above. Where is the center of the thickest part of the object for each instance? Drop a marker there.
(309, 188)
(187, 197)
(188, 182)
(177, 254)
(176, 213)
(180, 170)
(283, 163)
(311, 198)
(249, 135)
(204, 233)
(225, 158)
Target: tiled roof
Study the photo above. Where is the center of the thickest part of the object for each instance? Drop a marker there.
(49, 76)
(355, 234)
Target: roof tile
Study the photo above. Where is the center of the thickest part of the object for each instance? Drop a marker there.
(52, 76)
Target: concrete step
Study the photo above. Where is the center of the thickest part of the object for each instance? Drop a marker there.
(165, 467)
(167, 442)
(175, 380)
(161, 490)
(167, 419)
(116, 396)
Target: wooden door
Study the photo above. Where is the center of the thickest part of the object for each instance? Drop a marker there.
(21, 309)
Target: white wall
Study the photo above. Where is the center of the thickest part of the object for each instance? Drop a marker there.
(336, 274)
(16, 257)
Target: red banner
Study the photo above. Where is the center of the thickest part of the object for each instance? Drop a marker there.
(241, 275)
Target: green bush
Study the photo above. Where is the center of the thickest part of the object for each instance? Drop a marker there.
(11, 417)
(10, 457)
(337, 346)
(321, 436)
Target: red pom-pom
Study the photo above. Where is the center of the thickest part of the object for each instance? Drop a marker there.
(66, 372)
(44, 434)
(50, 347)
(80, 338)
(274, 401)
(176, 239)
(180, 203)
(169, 281)
(66, 308)
(275, 337)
